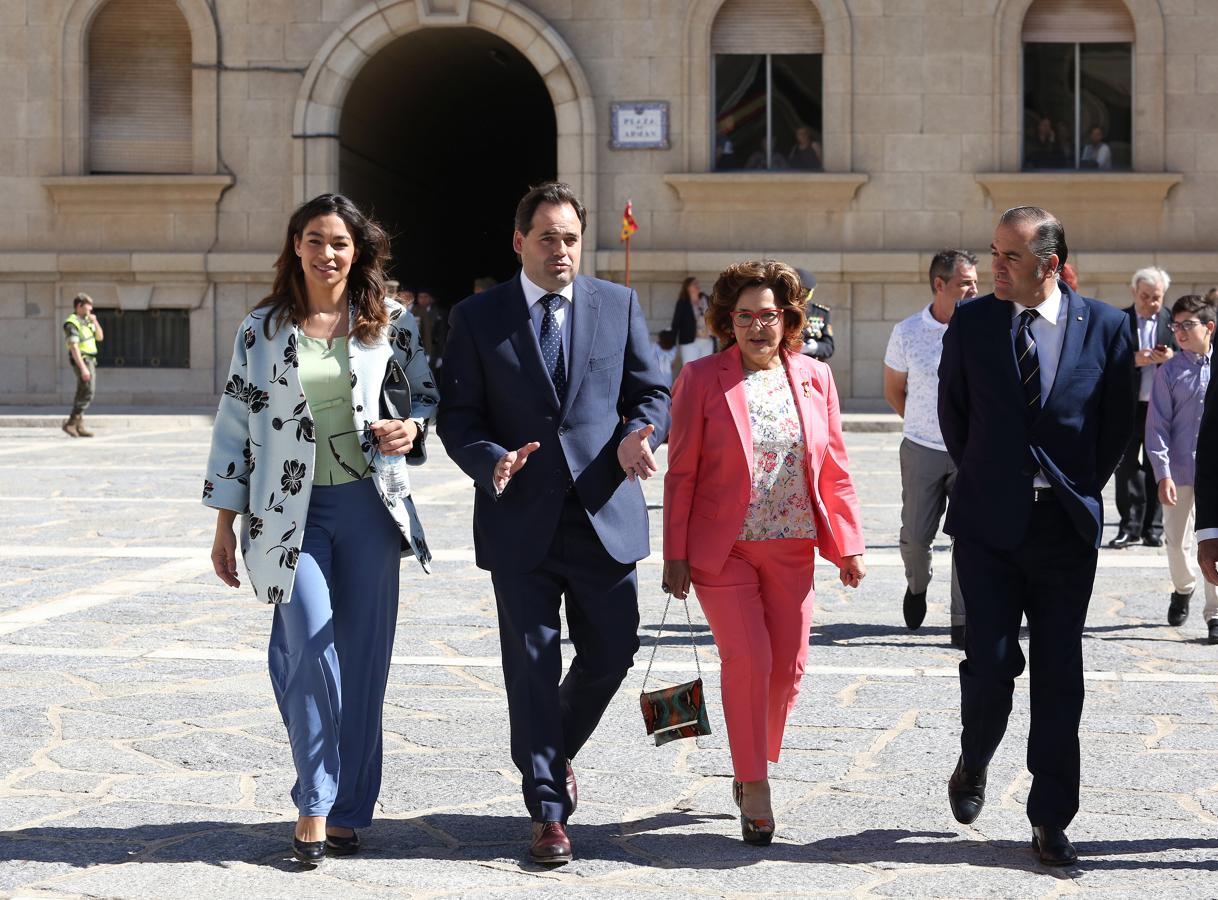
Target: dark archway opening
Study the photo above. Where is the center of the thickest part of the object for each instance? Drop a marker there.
(441, 134)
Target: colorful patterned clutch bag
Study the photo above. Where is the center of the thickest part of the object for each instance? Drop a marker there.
(675, 712)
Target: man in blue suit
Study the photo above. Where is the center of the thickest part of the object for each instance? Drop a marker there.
(553, 405)
(1036, 406)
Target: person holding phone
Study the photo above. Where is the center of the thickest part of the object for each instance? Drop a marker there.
(1137, 495)
(83, 332)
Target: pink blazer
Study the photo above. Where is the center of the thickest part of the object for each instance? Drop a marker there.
(710, 458)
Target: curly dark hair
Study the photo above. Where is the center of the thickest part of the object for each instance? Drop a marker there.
(779, 278)
(366, 283)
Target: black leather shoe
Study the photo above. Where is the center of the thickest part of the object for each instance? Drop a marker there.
(1152, 540)
(550, 845)
(336, 845)
(914, 608)
(958, 636)
(1122, 540)
(311, 852)
(1177, 610)
(1213, 628)
(1053, 846)
(572, 787)
(966, 792)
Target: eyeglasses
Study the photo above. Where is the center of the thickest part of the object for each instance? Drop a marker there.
(743, 318)
(1186, 325)
(367, 439)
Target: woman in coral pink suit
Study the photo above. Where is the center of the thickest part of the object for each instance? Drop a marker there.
(756, 484)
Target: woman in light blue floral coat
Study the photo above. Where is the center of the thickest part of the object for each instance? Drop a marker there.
(301, 452)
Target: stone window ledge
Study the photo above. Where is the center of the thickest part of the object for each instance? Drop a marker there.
(751, 191)
(1101, 191)
(135, 193)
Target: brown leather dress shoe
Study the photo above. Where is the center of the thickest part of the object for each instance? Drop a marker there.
(550, 846)
(572, 787)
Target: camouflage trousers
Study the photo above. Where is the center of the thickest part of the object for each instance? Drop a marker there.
(85, 389)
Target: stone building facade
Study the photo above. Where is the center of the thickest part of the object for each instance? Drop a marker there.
(151, 206)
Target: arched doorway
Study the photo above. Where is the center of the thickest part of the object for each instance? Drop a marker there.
(441, 133)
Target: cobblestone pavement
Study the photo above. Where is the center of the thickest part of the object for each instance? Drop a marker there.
(141, 754)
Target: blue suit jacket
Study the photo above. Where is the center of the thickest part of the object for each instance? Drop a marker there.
(1076, 439)
(497, 396)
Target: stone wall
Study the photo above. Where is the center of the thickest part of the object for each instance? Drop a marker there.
(921, 145)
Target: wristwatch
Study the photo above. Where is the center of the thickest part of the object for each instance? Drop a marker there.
(422, 426)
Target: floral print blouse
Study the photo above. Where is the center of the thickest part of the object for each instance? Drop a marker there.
(780, 505)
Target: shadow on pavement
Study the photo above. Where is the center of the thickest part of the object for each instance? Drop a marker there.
(652, 841)
(863, 633)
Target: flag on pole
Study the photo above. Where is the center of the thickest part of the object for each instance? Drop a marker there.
(629, 225)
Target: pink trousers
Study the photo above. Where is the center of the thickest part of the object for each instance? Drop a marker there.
(760, 612)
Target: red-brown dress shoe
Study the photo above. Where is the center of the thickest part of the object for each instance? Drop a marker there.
(572, 787)
(550, 846)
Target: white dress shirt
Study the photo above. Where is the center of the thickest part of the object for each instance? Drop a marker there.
(537, 312)
(1048, 330)
(1148, 330)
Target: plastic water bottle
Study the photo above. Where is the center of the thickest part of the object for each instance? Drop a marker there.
(393, 474)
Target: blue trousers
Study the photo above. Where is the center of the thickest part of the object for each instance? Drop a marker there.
(1048, 577)
(330, 649)
(552, 721)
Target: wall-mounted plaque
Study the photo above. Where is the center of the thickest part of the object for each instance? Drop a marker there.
(641, 125)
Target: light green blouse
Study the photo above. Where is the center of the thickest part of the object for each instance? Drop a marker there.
(325, 378)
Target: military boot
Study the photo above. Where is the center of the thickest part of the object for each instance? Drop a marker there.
(70, 425)
(81, 431)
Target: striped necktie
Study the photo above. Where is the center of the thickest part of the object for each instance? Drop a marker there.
(1029, 362)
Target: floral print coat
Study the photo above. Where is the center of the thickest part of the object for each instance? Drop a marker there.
(262, 447)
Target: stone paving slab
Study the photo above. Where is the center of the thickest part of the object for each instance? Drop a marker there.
(141, 754)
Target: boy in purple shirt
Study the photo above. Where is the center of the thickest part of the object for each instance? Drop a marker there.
(1173, 418)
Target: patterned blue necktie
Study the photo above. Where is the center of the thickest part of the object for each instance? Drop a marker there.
(1029, 362)
(551, 346)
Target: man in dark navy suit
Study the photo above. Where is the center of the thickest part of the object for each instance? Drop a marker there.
(553, 404)
(1036, 405)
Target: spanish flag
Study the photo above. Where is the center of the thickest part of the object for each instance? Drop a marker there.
(629, 225)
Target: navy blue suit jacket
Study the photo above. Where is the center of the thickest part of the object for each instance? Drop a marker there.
(497, 396)
(1076, 439)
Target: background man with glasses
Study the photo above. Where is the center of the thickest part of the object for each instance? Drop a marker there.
(1173, 422)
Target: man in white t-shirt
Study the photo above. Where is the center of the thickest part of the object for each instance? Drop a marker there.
(911, 387)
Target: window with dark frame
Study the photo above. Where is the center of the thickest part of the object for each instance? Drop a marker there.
(1078, 86)
(1078, 106)
(768, 111)
(144, 338)
(767, 81)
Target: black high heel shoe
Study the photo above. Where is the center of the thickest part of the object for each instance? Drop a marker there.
(336, 845)
(311, 852)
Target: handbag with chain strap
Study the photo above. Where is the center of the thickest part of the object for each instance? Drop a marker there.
(675, 712)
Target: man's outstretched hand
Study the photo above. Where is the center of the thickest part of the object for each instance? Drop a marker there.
(511, 463)
(634, 454)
